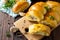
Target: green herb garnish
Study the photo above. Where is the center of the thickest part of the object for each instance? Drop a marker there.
(9, 3)
(47, 8)
(52, 17)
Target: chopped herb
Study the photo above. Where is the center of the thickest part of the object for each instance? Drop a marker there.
(9, 4)
(47, 8)
(8, 34)
(52, 17)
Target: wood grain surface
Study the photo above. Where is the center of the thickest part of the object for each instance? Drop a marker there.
(6, 22)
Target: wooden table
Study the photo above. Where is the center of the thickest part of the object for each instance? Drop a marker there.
(6, 22)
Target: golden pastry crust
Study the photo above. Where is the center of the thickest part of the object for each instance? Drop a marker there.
(56, 9)
(36, 12)
(49, 22)
(39, 29)
(51, 19)
(20, 6)
(38, 8)
(52, 4)
(34, 16)
(41, 4)
(55, 15)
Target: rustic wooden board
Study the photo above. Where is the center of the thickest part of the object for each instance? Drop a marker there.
(22, 24)
(6, 22)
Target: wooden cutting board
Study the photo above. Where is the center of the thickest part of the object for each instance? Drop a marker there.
(22, 24)
(6, 22)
